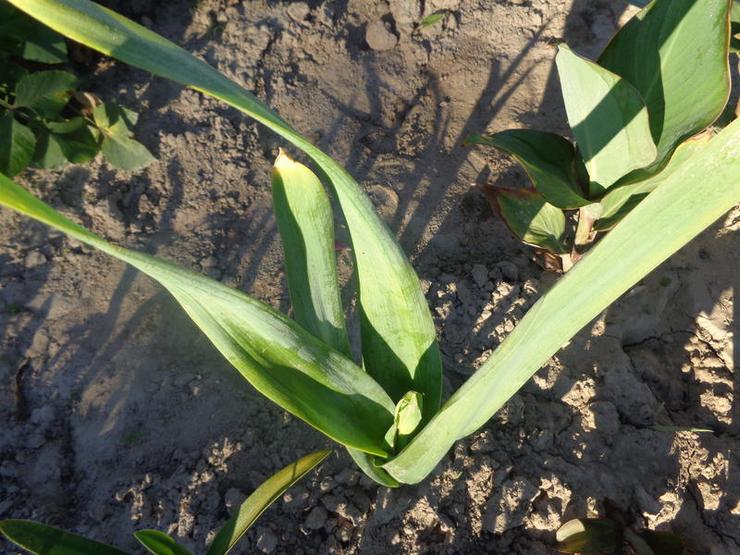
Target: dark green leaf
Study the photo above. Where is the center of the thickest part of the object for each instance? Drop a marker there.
(530, 217)
(548, 159)
(45, 46)
(675, 53)
(260, 499)
(608, 118)
(45, 92)
(17, 145)
(662, 543)
(78, 146)
(66, 126)
(41, 539)
(588, 535)
(48, 152)
(160, 543)
(122, 150)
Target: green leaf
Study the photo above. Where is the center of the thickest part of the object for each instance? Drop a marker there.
(549, 160)
(398, 337)
(80, 146)
(48, 152)
(260, 499)
(407, 419)
(276, 355)
(45, 92)
(433, 18)
(618, 202)
(122, 150)
(672, 215)
(662, 543)
(17, 144)
(608, 118)
(45, 46)
(588, 535)
(160, 543)
(306, 226)
(530, 217)
(66, 126)
(41, 539)
(675, 53)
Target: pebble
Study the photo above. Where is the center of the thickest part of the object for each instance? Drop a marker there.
(480, 275)
(34, 259)
(267, 542)
(316, 518)
(298, 11)
(378, 36)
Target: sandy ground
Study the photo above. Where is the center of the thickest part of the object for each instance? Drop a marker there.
(118, 415)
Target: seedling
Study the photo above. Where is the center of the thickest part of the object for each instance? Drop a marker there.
(45, 119)
(631, 114)
(41, 539)
(614, 534)
(388, 411)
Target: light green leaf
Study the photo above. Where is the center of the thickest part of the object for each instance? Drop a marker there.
(122, 150)
(160, 543)
(260, 499)
(398, 337)
(407, 419)
(608, 118)
(675, 53)
(433, 18)
(45, 92)
(618, 202)
(705, 188)
(17, 145)
(549, 160)
(306, 225)
(277, 356)
(589, 535)
(530, 217)
(41, 539)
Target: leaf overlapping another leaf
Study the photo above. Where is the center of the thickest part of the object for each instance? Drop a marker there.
(399, 344)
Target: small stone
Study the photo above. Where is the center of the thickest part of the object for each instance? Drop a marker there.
(316, 518)
(267, 542)
(233, 499)
(298, 11)
(509, 271)
(34, 259)
(378, 37)
(480, 275)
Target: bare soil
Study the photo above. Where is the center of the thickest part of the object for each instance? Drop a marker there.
(117, 414)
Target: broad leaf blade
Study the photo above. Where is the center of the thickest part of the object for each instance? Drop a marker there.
(122, 150)
(261, 499)
(281, 360)
(306, 226)
(618, 202)
(160, 543)
(41, 539)
(704, 189)
(548, 159)
(45, 92)
(675, 53)
(17, 145)
(530, 217)
(399, 343)
(608, 118)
